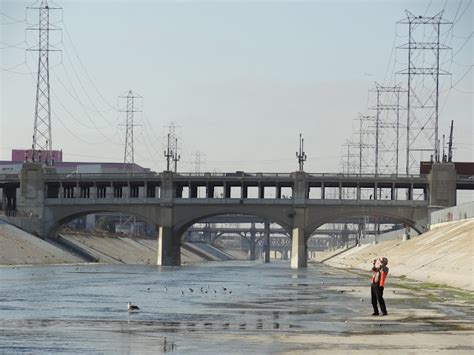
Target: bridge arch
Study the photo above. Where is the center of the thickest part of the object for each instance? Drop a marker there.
(317, 223)
(63, 215)
(195, 216)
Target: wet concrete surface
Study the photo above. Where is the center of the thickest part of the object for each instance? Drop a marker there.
(220, 307)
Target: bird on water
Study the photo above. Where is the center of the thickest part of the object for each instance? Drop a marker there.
(132, 307)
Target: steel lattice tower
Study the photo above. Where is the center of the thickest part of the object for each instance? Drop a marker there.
(422, 98)
(129, 152)
(362, 140)
(387, 128)
(42, 137)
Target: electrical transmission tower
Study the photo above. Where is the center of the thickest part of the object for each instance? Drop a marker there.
(130, 109)
(349, 165)
(198, 160)
(423, 74)
(42, 138)
(387, 128)
(362, 143)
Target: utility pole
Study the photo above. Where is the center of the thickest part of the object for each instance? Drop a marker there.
(172, 146)
(176, 156)
(450, 144)
(301, 155)
(130, 109)
(168, 153)
(422, 97)
(42, 145)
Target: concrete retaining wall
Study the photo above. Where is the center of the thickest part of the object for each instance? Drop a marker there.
(456, 213)
(442, 255)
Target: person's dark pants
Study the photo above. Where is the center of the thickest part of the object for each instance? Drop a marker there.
(377, 296)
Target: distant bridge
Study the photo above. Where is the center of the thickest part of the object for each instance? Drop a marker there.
(298, 201)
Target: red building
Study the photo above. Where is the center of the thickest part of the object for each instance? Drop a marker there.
(26, 154)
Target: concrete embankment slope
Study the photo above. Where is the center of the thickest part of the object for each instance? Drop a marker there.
(444, 255)
(18, 247)
(113, 250)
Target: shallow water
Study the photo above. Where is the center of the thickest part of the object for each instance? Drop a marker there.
(83, 309)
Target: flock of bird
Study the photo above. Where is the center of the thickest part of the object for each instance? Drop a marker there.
(203, 290)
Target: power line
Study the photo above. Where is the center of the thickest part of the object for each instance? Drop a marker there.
(13, 19)
(8, 45)
(84, 89)
(84, 69)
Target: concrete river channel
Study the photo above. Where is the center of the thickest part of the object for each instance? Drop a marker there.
(219, 307)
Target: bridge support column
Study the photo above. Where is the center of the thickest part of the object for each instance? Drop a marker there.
(266, 243)
(443, 185)
(298, 249)
(169, 253)
(252, 246)
(243, 191)
(209, 191)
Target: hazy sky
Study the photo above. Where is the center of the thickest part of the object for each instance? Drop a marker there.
(242, 79)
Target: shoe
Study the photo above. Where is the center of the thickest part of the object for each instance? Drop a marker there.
(384, 314)
(375, 314)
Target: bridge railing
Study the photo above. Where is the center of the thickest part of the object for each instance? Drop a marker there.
(91, 176)
(129, 175)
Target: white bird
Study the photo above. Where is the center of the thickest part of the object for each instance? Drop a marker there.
(132, 307)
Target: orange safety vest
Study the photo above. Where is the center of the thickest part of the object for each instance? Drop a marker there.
(380, 275)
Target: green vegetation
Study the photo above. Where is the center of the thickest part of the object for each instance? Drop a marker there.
(437, 292)
(102, 223)
(432, 291)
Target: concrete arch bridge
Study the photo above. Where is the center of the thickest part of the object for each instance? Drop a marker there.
(174, 202)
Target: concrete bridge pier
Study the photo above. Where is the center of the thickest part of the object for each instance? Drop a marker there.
(253, 242)
(298, 249)
(266, 243)
(169, 244)
(253, 246)
(169, 247)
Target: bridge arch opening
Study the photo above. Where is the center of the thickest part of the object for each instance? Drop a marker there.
(349, 229)
(237, 233)
(102, 235)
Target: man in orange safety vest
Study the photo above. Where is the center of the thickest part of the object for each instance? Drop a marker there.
(378, 283)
